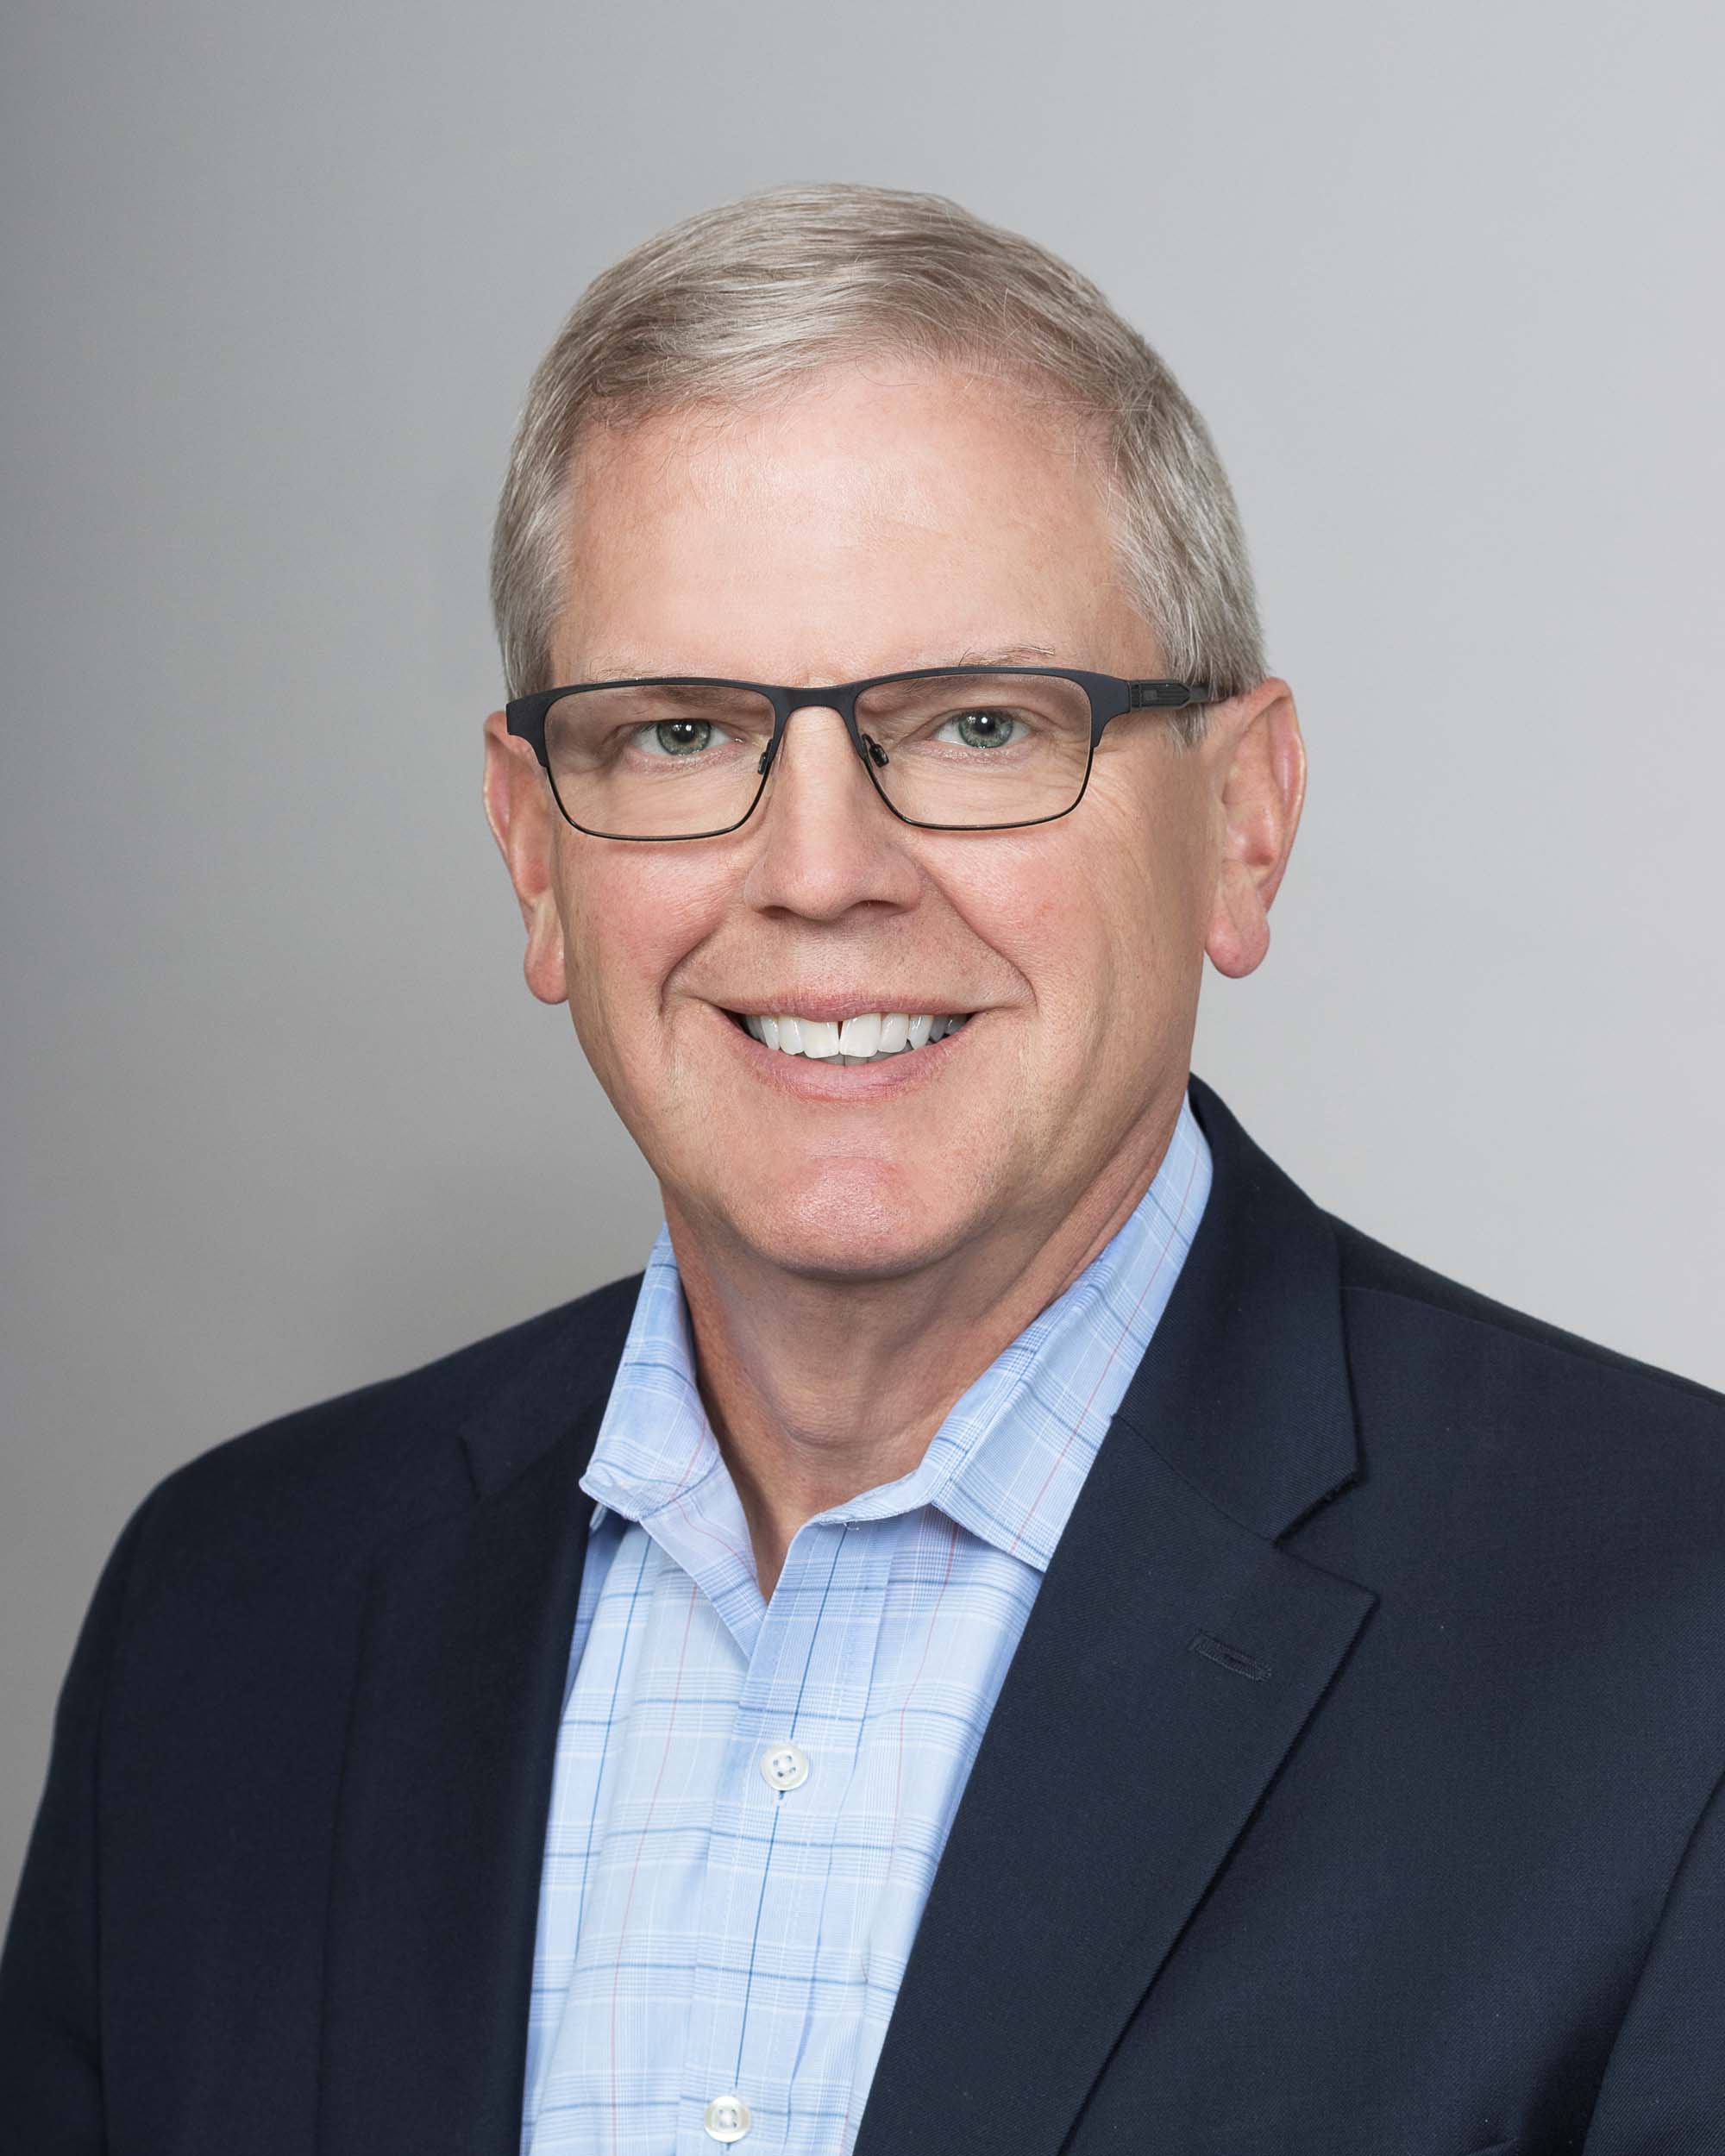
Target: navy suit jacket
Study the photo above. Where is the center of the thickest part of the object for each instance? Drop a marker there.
(1354, 1789)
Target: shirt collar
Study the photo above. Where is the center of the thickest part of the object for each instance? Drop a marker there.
(1009, 1459)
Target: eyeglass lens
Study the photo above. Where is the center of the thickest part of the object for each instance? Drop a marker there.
(965, 750)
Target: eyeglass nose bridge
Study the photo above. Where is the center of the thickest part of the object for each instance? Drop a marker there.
(842, 700)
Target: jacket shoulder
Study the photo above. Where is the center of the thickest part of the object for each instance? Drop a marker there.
(1370, 1269)
(390, 1449)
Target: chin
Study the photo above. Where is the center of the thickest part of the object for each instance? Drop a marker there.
(849, 1221)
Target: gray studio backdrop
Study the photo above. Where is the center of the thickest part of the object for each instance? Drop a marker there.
(280, 1116)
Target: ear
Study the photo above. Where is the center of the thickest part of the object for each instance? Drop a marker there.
(1258, 766)
(520, 812)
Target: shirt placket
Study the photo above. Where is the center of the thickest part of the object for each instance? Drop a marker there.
(761, 1920)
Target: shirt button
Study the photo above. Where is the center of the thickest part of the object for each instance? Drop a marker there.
(786, 1766)
(727, 2118)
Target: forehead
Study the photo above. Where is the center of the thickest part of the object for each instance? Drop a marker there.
(883, 516)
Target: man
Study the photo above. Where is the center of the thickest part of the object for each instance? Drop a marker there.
(1018, 1631)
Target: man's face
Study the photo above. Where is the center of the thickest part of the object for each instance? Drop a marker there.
(888, 519)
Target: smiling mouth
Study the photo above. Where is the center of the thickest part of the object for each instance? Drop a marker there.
(869, 1037)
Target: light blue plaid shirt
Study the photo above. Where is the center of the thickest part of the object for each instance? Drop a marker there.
(750, 1799)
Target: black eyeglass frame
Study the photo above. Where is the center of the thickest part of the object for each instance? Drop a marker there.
(1110, 698)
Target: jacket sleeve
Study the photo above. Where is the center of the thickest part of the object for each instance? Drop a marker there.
(1664, 2090)
(50, 2023)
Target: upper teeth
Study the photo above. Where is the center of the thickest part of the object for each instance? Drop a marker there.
(862, 1039)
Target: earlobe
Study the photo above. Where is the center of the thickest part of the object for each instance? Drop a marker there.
(1261, 791)
(1239, 924)
(520, 819)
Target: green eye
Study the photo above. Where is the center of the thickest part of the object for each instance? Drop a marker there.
(983, 730)
(682, 737)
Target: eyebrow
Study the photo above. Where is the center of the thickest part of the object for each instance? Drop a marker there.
(1016, 655)
(612, 669)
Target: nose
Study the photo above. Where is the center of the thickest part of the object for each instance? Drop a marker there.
(824, 841)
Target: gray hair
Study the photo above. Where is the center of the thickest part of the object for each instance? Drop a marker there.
(742, 302)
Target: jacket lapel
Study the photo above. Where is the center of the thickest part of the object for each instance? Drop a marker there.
(1173, 1655)
(440, 1824)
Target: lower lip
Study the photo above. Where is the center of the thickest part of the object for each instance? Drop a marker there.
(801, 1078)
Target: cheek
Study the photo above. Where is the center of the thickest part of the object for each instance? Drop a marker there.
(1098, 920)
(627, 926)
(1101, 928)
(1146, 861)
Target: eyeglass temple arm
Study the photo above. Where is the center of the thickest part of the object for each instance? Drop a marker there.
(1165, 696)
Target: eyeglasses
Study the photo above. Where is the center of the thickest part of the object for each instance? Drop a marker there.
(964, 749)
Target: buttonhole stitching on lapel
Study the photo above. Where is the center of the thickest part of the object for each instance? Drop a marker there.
(1230, 1658)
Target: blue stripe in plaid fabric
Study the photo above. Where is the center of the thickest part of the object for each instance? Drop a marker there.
(701, 1932)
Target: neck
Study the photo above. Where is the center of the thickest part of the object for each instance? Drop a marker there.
(818, 1389)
